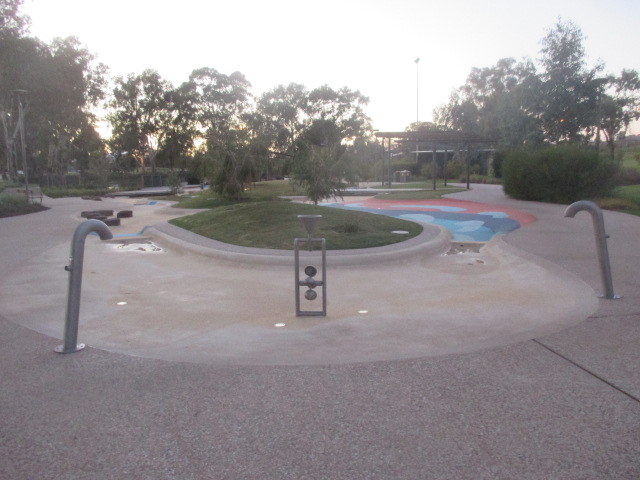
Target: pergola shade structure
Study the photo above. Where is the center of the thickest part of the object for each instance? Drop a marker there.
(438, 139)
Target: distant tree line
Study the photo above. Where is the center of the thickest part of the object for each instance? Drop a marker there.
(558, 100)
(210, 124)
(213, 128)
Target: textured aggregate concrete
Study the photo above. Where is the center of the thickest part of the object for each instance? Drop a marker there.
(516, 411)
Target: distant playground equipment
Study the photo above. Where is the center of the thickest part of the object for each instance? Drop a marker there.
(601, 241)
(75, 281)
(310, 282)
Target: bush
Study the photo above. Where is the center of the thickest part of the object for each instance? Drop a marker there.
(561, 174)
(61, 192)
(498, 160)
(456, 168)
(426, 171)
(626, 176)
(15, 204)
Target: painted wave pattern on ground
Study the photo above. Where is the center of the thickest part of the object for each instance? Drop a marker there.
(465, 220)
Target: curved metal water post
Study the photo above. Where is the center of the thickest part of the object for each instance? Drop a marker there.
(601, 241)
(75, 281)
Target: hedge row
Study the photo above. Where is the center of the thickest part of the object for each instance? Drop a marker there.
(561, 174)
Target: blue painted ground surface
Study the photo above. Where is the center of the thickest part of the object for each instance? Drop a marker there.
(464, 226)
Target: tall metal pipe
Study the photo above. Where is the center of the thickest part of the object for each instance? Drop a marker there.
(75, 281)
(601, 241)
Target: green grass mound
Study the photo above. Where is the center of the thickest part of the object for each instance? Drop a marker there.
(275, 223)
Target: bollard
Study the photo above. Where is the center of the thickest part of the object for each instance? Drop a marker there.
(601, 241)
(75, 281)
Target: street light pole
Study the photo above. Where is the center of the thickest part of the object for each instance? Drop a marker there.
(417, 92)
(24, 149)
(417, 106)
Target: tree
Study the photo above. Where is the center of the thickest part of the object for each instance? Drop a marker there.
(57, 84)
(364, 158)
(569, 94)
(281, 115)
(497, 102)
(320, 166)
(141, 115)
(334, 119)
(181, 126)
(619, 106)
(277, 122)
(73, 85)
(220, 102)
(344, 107)
(12, 21)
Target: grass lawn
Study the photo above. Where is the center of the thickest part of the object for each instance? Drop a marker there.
(262, 219)
(274, 224)
(625, 199)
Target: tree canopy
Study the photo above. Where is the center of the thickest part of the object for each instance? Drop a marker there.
(315, 135)
(561, 99)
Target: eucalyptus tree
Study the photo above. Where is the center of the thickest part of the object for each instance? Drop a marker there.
(12, 21)
(334, 118)
(281, 113)
(221, 102)
(74, 85)
(140, 115)
(343, 107)
(569, 92)
(181, 127)
(320, 166)
(618, 106)
(498, 102)
(57, 86)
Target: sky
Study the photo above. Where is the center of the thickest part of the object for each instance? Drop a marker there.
(365, 45)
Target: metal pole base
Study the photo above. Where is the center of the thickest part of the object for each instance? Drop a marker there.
(60, 348)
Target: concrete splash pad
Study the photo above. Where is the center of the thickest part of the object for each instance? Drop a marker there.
(181, 305)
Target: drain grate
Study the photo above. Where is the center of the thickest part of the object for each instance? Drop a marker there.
(462, 248)
(142, 247)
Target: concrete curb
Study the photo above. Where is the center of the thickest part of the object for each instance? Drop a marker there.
(433, 240)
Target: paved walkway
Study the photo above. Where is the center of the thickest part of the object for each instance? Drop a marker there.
(560, 402)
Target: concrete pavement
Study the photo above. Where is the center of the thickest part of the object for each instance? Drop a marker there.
(541, 383)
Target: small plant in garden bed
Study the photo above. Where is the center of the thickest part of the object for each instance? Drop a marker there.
(12, 204)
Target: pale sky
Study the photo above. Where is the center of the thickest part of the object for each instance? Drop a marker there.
(366, 45)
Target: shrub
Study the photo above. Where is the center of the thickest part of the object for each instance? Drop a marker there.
(61, 192)
(498, 160)
(626, 176)
(560, 174)
(456, 168)
(174, 183)
(426, 171)
(15, 204)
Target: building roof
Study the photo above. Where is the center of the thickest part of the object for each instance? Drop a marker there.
(448, 136)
